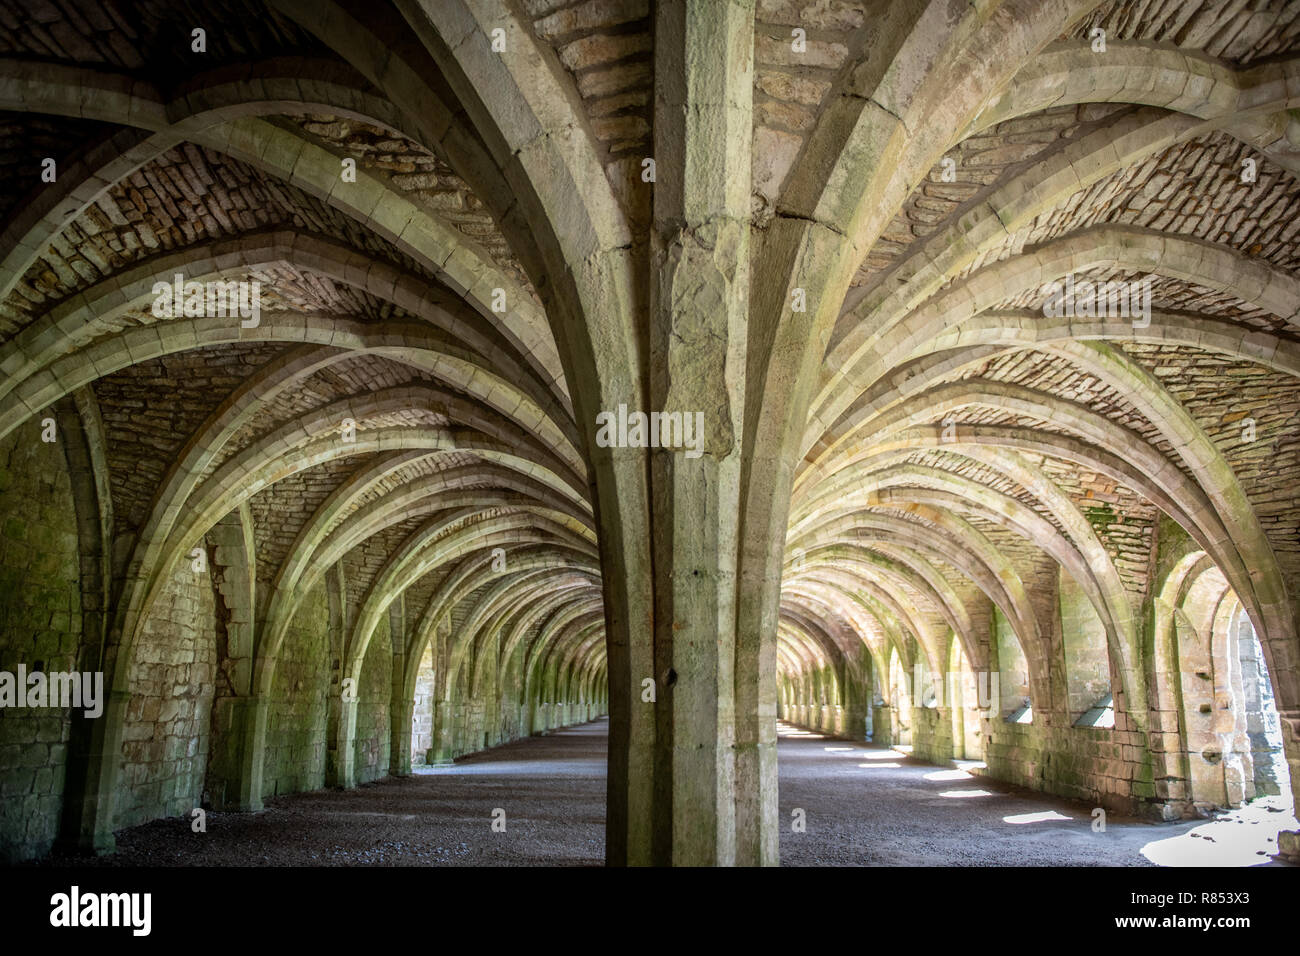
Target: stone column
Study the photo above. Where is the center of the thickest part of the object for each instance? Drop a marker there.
(341, 763)
(399, 751)
(882, 723)
(857, 695)
(94, 759)
(238, 741)
(440, 747)
(490, 689)
(401, 709)
(699, 248)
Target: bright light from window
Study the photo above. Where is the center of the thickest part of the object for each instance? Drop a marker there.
(941, 775)
(1045, 816)
(1102, 714)
(1024, 714)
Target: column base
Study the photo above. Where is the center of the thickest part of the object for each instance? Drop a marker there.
(98, 844)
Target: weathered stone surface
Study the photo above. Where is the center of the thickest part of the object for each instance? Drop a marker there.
(597, 50)
(590, 14)
(40, 625)
(418, 543)
(168, 733)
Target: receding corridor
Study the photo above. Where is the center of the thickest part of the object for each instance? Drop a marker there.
(386, 381)
(863, 805)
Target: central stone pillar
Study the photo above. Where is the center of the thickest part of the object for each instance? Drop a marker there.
(399, 749)
(94, 759)
(440, 750)
(699, 293)
(238, 742)
(340, 761)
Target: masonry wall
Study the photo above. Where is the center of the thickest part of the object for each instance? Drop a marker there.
(932, 734)
(40, 620)
(1108, 767)
(296, 719)
(374, 696)
(1105, 766)
(167, 734)
(882, 727)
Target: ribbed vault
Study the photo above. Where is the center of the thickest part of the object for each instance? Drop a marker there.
(392, 480)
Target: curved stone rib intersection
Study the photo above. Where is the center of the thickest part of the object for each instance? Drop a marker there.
(384, 382)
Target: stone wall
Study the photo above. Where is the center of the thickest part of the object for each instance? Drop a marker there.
(374, 696)
(167, 734)
(1107, 767)
(296, 718)
(932, 734)
(40, 620)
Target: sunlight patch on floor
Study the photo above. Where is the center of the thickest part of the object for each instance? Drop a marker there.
(1242, 837)
(944, 775)
(1043, 816)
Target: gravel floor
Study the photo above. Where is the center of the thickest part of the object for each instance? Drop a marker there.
(868, 805)
(862, 805)
(552, 789)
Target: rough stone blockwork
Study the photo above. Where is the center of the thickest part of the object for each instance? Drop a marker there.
(40, 627)
(168, 732)
(381, 524)
(374, 692)
(295, 752)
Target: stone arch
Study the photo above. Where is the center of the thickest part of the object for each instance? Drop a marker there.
(280, 152)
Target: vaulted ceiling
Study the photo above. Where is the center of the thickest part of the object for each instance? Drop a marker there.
(960, 445)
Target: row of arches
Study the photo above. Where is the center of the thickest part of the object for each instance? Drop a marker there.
(915, 457)
(510, 646)
(1216, 739)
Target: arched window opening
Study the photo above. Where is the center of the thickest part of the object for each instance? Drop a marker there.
(926, 691)
(1013, 672)
(900, 700)
(1024, 714)
(1100, 714)
(1087, 663)
(1269, 774)
(422, 712)
(1233, 734)
(1207, 715)
(969, 704)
